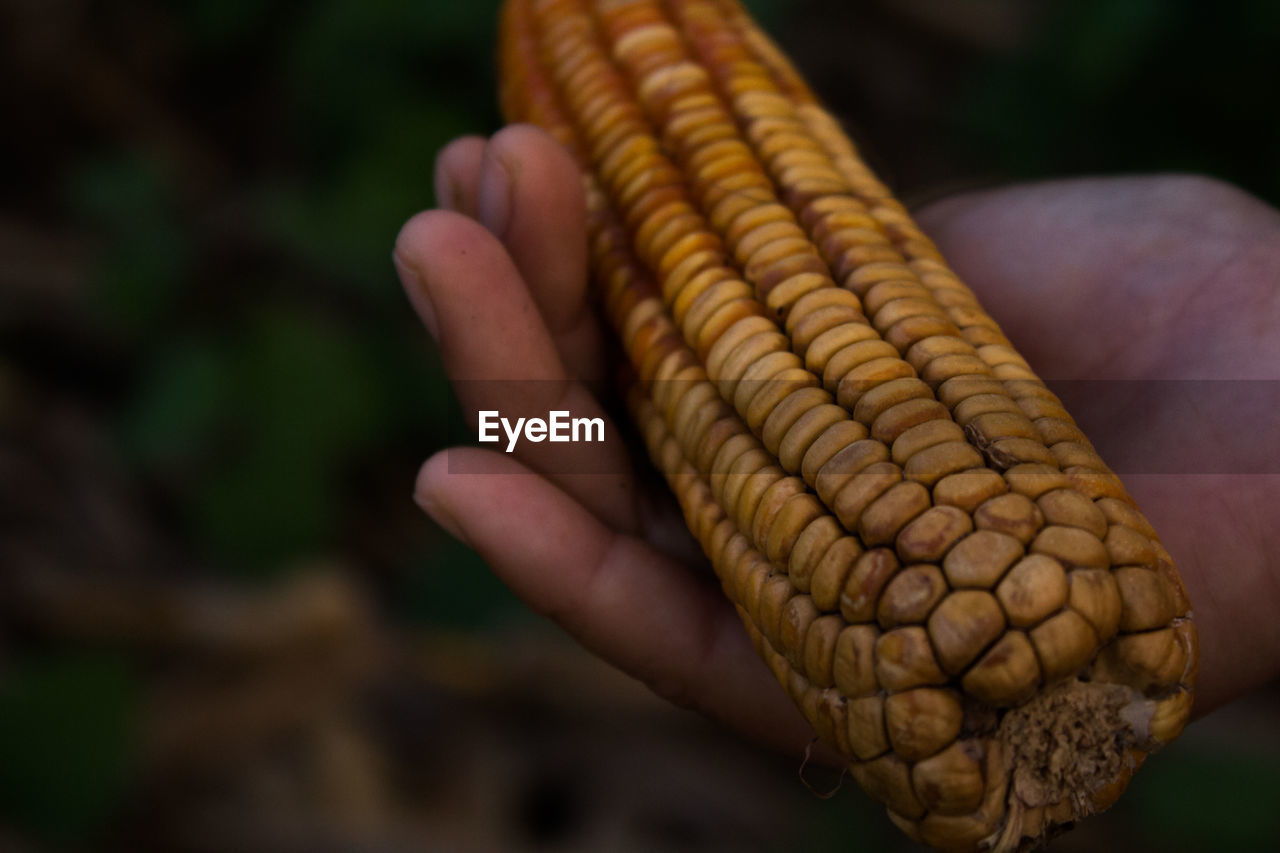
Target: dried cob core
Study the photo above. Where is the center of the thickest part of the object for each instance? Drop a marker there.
(929, 555)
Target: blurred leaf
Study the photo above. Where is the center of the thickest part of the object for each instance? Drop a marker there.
(452, 586)
(127, 201)
(264, 509)
(218, 22)
(1108, 87)
(347, 225)
(65, 741)
(181, 398)
(306, 401)
(767, 13)
(1208, 801)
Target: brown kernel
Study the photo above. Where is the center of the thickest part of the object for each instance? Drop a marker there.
(805, 431)
(923, 436)
(1095, 482)
(854, 357)
(1011, 513)
(751, 496)
(1008, 452)
(1069, 508)
(1032, 590)
(967, 489)
(805, 327)
(906, 825)
(868, 375)
(959, 388)
(861, 592)
(983, 404)
(854, 665)
(931, 534)
(820, 352)
(1145, 597)
(819, 650)
(981, 558)
(833, 439)
(772, 501)
(1032, 479)
(886, 396)
(1124, 513)
(897, 419)
(792, 519)
(1074, 454)
(945, 367)
(887, 780)
(829, 575)
(910, 595)
(861, 490)
(774, 595)
(880, 522)
(866, 727)
(1128, 547)
(1007, 674)
(842, 466)
(793, 627)
(990, 427)
(932, 464)
(1064, 644)
(833, 716)
(950, 782)
(1054, 430)
(810, 545)
(1094, 594)
(1147, 662)
(960, 832)
(1170, 716)
(964, 624)
(1071, 546)
(904, 659)
(922, 721)
(787, 412)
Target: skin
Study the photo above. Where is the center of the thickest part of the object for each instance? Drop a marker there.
(1135, 278)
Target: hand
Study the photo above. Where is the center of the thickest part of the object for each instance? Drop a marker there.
(1130, 278)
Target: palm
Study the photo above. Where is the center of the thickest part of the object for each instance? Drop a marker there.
(1164, 290)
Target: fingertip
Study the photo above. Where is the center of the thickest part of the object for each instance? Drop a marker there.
(495, 188)
(531, 196)
(430, 480)
(457, 174)
(418, 245)
(431, 495)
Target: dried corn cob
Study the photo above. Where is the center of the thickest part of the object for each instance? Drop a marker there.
(931, 557)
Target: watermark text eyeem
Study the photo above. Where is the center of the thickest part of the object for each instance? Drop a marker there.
(558, 427)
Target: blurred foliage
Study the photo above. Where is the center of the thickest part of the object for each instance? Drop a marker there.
(246, 345)
(1137, 85)
(66, 740)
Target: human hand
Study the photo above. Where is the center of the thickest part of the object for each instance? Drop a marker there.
(1133, 278)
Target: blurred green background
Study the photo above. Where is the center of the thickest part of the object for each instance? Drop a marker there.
(213, 399)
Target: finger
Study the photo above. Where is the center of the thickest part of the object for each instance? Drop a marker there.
(457, 174)
(1224, 537)
(500, 357)
(619, 597)
(530, 196)
(1124, 263)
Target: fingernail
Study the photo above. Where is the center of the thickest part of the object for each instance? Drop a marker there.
(494, 200)
(418, 294)
(441, 514)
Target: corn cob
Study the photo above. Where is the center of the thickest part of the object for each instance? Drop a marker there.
(927, 552)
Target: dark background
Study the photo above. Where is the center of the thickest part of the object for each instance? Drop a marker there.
(223, 623)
